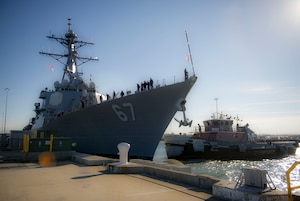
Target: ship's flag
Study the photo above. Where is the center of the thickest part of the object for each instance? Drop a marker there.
(51, 67)
(187, 58)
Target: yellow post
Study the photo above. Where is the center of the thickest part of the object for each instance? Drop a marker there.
(26, 143)
(51, 142)
(24, 140)
(288, 180)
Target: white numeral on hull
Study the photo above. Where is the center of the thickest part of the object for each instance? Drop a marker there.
(125, 112)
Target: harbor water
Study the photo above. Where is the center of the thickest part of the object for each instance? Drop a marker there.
(231, 170)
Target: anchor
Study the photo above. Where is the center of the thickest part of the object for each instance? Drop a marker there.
(185, 121)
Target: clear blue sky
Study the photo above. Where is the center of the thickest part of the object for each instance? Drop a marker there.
(246, 53)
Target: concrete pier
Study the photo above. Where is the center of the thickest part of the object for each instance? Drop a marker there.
(89, 177)
(71, 180)
(226, 190)
(221, 189)
(90, 160)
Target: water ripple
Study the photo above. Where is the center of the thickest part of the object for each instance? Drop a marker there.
(231, 170)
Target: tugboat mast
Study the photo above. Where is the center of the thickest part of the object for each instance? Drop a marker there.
(72, 44)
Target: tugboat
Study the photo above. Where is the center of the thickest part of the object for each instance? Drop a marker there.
(220, 141)
(96, 122)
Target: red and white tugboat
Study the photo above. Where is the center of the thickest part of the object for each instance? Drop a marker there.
(221, 139)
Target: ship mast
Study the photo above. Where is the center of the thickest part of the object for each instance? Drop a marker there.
(72, 44)
(188, 43)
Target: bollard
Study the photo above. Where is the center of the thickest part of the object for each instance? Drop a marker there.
(123, 152)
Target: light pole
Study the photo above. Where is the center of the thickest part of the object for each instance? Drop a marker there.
(4, 129)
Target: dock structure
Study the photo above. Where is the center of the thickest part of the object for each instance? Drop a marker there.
(82, 179)
(89, 177)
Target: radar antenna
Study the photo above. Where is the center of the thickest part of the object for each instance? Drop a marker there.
(70, 42)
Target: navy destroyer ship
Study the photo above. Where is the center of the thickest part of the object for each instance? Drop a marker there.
(97, 122)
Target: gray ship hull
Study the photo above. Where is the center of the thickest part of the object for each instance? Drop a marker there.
(139, 119)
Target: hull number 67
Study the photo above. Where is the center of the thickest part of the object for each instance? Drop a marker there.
(125, 111)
